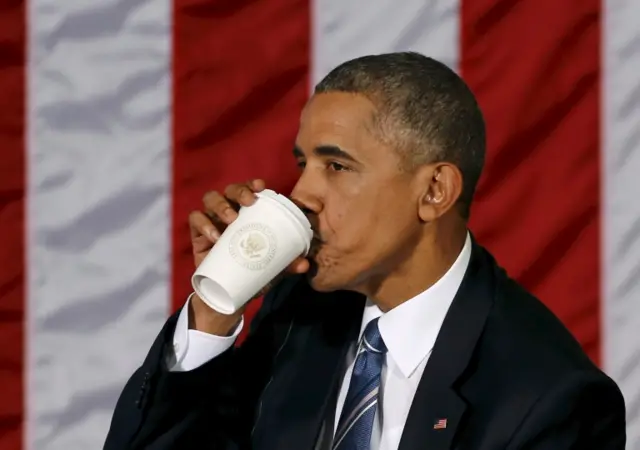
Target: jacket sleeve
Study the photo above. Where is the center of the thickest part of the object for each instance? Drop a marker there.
(584, 411)
(212, 406)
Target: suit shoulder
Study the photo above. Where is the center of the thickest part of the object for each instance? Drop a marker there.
(525, 354)
(530, 337)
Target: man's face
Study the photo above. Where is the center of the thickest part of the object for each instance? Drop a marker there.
(363, 206)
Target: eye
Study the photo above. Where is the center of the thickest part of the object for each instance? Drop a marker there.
(337, 167)
(301, 164)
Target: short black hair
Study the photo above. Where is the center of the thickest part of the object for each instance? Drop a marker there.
(423, 106)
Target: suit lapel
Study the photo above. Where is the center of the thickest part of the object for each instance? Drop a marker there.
(437, 409)
(318, 368)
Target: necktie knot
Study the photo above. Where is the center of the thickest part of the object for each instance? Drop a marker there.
(372, 339)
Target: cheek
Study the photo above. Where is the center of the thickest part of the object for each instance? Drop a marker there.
(349, 227)
(368, 228)
(342, 220)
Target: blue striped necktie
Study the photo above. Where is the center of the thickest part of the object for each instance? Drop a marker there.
(359, 410)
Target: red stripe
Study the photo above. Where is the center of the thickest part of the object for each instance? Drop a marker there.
(535, 67)
(240, 81)
(12, 220)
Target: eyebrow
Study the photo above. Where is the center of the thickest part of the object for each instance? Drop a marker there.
(331, 151)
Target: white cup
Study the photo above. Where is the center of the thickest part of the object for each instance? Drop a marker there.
(255, 248)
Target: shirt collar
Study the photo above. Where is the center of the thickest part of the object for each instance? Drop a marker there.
(410, 330)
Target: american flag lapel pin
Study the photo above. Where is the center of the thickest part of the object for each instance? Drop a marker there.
(440, 424)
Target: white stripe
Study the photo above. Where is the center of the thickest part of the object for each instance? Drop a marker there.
(345, 29)
(98, 233)
(348, 421)
(621, 158)
(362, 413)
(369, 346)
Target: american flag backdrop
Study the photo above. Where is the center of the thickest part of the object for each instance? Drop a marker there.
(117, 115)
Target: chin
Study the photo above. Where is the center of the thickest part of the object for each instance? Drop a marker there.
(322, 280)
(316, 282)
(319, 286)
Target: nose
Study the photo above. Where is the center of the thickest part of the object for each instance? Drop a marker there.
(307, 195)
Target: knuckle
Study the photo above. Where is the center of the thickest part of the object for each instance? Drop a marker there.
(231, 190)
(211, 197)
(238, 190)
(220, 207)
(216, 204)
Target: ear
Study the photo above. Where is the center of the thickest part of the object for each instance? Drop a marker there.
(441, 186)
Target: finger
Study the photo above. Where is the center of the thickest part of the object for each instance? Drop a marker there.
(215, 204)
(257, 185)
(201, 244)
(240, 193)
(200, 225)
(299, 265)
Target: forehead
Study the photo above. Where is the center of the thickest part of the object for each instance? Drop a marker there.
(336, 118)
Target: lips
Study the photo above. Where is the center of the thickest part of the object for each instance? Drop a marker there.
(316, 243)
(315, 225)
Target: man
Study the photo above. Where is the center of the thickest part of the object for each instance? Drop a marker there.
(399, 331)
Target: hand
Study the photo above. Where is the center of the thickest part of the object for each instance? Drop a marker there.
(206, 227)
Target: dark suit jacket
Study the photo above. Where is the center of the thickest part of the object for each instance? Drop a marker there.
(504, 372)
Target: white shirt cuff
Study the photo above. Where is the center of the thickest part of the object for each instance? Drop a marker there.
(193, 348)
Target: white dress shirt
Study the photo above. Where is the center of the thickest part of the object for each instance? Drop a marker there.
(408, 330)
(193, 348)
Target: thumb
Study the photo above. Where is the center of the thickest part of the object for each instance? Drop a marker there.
(299, 265)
